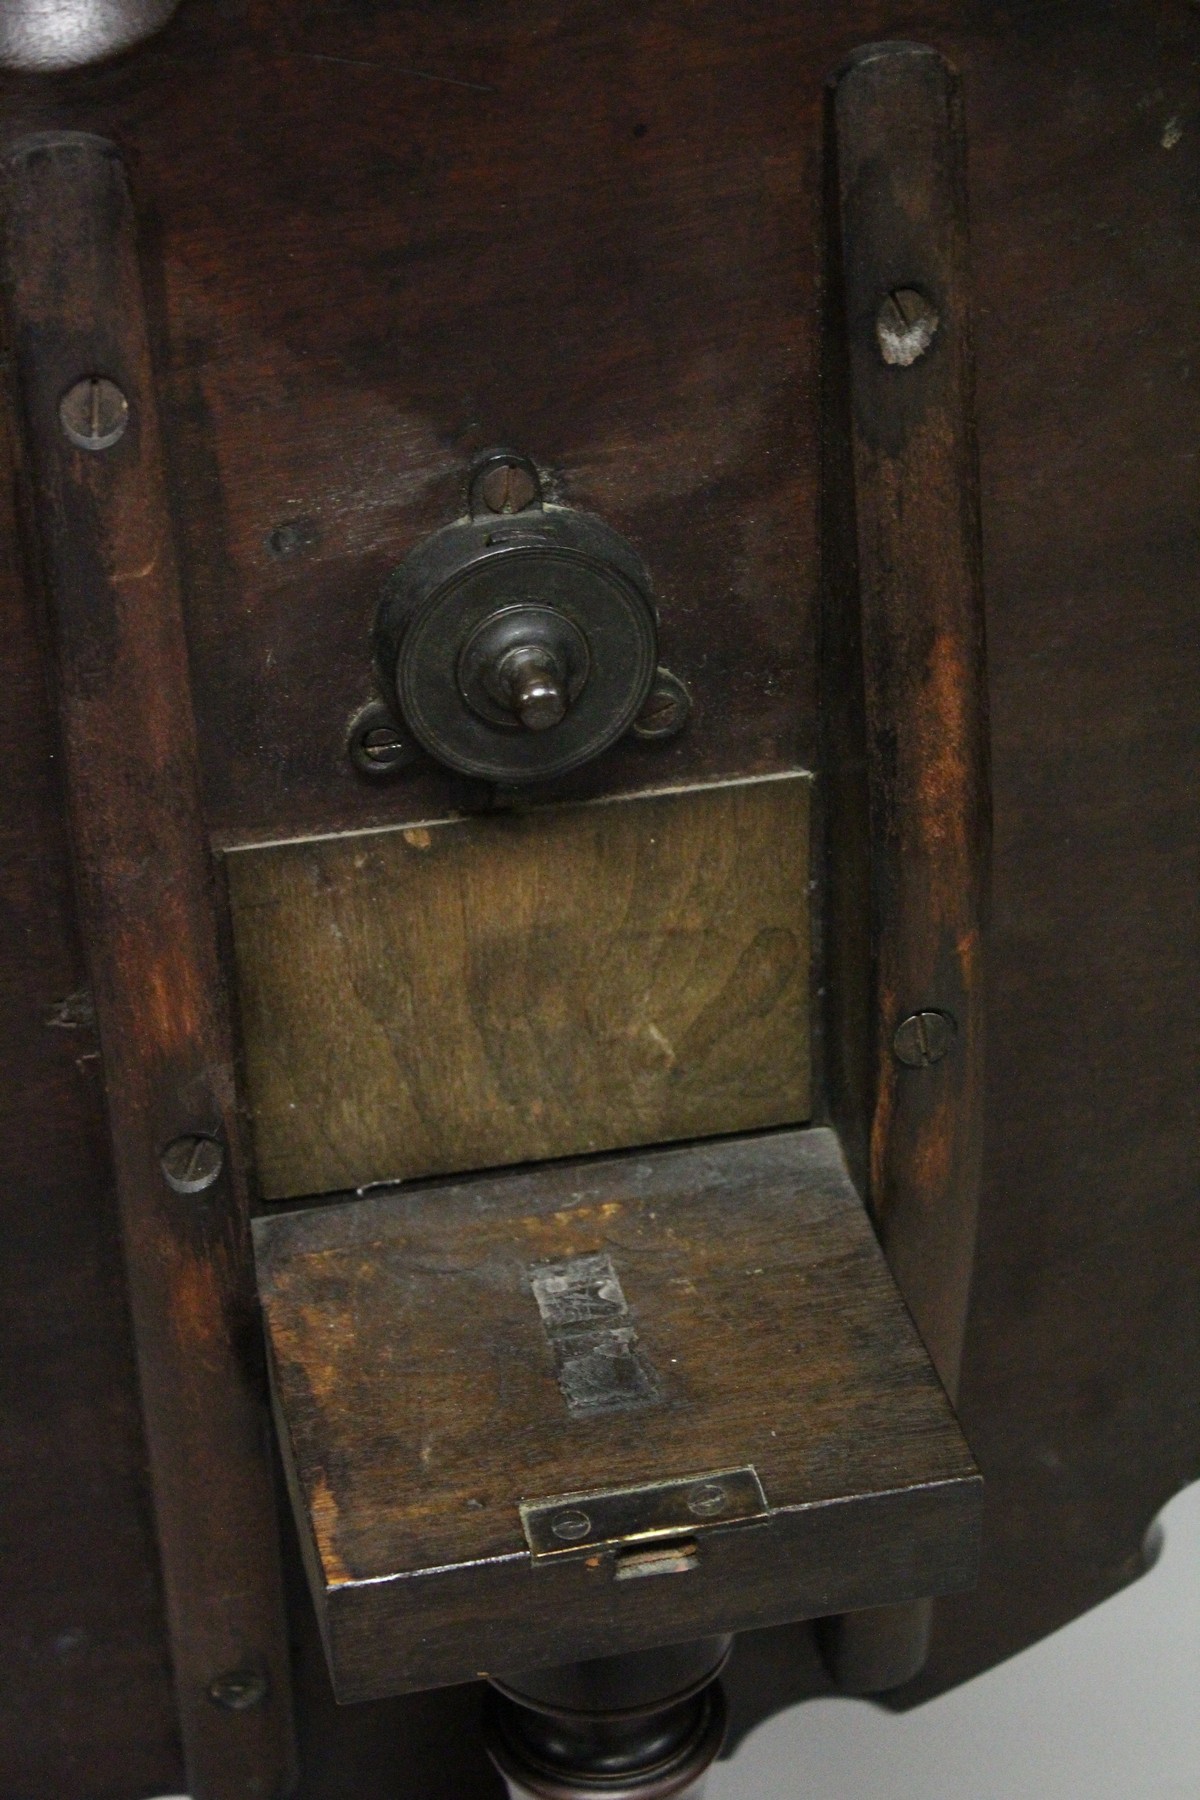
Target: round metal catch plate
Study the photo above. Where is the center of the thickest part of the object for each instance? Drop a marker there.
(516, 655)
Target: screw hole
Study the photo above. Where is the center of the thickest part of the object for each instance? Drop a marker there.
(292, 537)
(239, 1690)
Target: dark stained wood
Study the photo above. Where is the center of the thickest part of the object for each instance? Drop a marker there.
(352, 266)
(1088, 1246)
(145, 899)
(442, 296)
(418, 1406)
(86, 1704)
(915, 502)
(474, 992)
(910, 582)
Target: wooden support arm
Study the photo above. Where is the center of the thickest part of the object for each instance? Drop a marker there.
(907, 744)
(145, 896)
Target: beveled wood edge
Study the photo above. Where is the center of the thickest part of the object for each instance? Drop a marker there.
(358, 1617)
(525, 806)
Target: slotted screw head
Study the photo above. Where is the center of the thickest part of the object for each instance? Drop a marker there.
(238, 1690)
(905, 325)
(192, 1163)
(508, 488)
(94, 413)
(571, 1526)
(707, 1499)
(923, 1038)
(376, 744)
(382, 745)
(666, 710)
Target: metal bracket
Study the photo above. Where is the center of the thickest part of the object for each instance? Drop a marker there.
(620, 1518)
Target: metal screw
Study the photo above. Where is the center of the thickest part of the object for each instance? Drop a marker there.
(571, 1526)
(707, 1499)
(906, 324)
(293, 537)
(238, 1690)
(666, 711)
(508, 488)
(376, 744)
(94, 413)
(923, 1038)
(380, 744)
(192, 1163)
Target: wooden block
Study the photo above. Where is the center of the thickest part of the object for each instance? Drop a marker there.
(476, 992)
(437, 1363)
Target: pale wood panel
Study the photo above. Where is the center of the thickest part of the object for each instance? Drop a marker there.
(476, 992)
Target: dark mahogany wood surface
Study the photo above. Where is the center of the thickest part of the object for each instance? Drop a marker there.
(145, 892)
(904, 706)
(85, 1681)
(419, 1405)
(900, 179)
(385, 237)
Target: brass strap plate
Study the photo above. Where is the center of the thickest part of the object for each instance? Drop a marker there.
(637, 1515)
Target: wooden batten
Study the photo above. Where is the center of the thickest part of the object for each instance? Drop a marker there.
(906, 725)
(145, 898)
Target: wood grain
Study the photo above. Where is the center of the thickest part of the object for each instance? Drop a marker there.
(612, 257)
(145, 898)
(910, 581)
(418, 1405)
(475, 992)
(901, 180)
(86, 1673)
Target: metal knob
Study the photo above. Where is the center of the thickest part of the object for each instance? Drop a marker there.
(516, 649)
(524, 667)
(533, 685)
